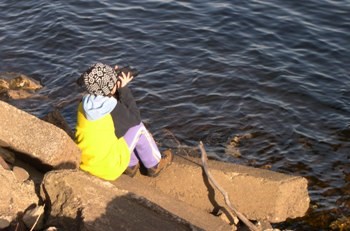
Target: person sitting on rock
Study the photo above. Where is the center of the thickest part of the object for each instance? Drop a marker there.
(109, 130)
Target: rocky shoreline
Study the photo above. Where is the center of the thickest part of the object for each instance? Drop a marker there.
(17, 86)
(41, 183)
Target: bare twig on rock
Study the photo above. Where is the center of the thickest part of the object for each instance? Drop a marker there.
(243, 218)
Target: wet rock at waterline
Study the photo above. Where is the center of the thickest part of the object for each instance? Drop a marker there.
(17, 86)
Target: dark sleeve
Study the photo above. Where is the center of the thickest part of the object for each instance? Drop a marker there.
(126, 114)
(127, 99)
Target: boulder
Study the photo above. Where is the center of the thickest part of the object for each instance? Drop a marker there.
(36, 139)
(257, 193)
(17, 86)
(15, 196)
(79, 201)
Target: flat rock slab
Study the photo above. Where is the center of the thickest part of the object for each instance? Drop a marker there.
(257, 193)
(36, 138)
(79, 201)
(196, 216)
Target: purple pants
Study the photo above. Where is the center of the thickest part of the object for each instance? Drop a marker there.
(142, 146)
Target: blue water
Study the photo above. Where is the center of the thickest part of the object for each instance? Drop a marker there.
(210, 70)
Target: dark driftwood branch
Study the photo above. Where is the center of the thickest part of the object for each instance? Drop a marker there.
(243, 218)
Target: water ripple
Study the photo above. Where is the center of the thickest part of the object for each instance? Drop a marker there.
(209, 71)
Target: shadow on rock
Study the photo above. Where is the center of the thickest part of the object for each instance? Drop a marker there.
(126, 212)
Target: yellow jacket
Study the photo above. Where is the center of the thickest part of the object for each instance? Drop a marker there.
(103, 154)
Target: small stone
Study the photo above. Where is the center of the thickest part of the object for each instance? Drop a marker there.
(233, 151)
(232, 220)
(266, 166)
(341, 224)
(265, 225)
(20, 173)
(4, 84)
(32, 215)
(52, 228)
(4, 223)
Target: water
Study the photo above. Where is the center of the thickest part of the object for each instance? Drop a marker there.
(277, 71)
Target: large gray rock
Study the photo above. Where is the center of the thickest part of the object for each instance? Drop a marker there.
(36, 138)
(15, 196)
(79, 201)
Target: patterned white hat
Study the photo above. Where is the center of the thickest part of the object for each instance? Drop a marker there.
(99, 79)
